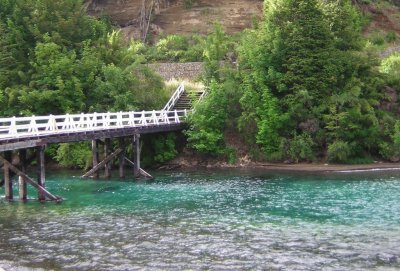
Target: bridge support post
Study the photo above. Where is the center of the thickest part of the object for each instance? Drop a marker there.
(121, 158)
(8, 185)
(95, 159)
(41, 177)
(136, 156)
(21, 181)
(107, 152)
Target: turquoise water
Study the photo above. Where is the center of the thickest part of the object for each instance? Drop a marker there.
(225, 220)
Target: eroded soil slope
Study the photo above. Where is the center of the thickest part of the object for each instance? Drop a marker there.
(173, 16)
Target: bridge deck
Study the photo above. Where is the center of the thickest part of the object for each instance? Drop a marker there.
(26, 132)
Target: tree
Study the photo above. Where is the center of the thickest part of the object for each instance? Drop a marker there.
(304, 82)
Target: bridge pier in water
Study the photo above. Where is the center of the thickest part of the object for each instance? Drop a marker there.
(23, 188)
(120, 154)
(20, 134)
(11, 170)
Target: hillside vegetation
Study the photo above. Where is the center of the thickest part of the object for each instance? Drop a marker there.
(308, 87)
(308, 81)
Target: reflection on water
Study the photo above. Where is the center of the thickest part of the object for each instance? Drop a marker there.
(208, 221)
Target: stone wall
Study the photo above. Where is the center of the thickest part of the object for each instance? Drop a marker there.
(179, 71)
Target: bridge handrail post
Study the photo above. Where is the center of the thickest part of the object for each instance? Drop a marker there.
(174, 98)
(166, 119)
(176, 117)
(51, 124)
(131, 120)
(33, 126)
(94, 120)
(13, 128)
(107, 120)
(143, 119)
(154, 116)
(81, 123)
(73, 124)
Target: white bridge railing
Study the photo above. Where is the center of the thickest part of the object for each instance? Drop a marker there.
(19, 127)
(174, 98)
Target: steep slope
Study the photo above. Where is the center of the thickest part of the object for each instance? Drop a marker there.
(197, 16)
(174, 16)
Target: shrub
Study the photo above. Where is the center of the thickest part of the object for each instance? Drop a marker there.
(339, 151)
(189, 3)
(231, 154)
(74, 155)
(391, 36)
(301, 148)
(391, 65)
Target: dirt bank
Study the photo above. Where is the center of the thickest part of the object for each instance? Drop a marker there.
(186, 161)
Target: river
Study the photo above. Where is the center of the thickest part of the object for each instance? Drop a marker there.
(208, 220)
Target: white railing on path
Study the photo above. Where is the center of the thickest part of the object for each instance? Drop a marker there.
(174, 98)
(19, 127)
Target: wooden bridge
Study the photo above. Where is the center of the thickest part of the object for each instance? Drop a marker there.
(17, 134)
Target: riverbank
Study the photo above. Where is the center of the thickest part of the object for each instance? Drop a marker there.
(198, 161)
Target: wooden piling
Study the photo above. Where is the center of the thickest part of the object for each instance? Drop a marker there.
(21, 181)
(136, 155)
(102, 164)
(95, 160)
(121, 157)
(41, 177)
(107, 152)
(8, 185)
(29, 180)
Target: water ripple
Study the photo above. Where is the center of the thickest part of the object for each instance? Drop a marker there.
(189, 221)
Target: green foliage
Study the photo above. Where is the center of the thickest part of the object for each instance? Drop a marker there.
(391, 65)
(339, 151)
(208, 123)
(345, 22)
(164, 148)
(216, 46)
(391, 36)
(304, 86)
(172, 48)
(301, 148)
(158, 148)
(74, 155)
(231, 154)
(56, 59)
(189, 3)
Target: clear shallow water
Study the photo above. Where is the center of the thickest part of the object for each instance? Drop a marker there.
(228, 220)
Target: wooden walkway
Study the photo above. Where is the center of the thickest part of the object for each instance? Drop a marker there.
(27, 132)
(17, 134)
